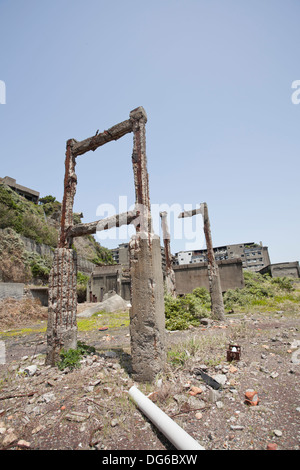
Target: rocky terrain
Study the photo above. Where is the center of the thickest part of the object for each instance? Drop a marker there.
(89, 408)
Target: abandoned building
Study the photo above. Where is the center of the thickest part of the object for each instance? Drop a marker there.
(254, 256)
(189, 276)
(288, 269)
(29, 194)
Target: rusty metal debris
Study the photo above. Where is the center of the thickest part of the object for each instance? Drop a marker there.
(233, 352)
(207, 379)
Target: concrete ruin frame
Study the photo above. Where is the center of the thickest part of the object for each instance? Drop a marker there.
(147, 318)
(170, 281)
(217, 304)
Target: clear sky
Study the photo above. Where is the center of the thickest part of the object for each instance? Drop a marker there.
(215, 78)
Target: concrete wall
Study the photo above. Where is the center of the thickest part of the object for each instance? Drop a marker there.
(105, 279)
(190, 276)
(40, 293)
(290, 269)
(14, 290)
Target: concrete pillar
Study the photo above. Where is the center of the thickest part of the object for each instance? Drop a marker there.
(170, 281)
(62, 326)
(217, 306)
(147, 318)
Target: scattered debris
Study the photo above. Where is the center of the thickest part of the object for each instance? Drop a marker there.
(233, 352)
(272, 446)
(208, 380)
(251, 397)
(77, 416)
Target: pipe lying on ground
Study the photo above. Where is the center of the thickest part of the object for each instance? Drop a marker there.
(174, 433)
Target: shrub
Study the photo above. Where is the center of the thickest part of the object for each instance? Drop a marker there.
(47, 199)
(284, 283)
(182, 312)
(260, 290)
(40, 265)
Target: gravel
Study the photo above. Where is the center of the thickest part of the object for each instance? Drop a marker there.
(89, 408)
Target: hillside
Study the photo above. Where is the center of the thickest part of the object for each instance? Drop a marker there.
(29, 235)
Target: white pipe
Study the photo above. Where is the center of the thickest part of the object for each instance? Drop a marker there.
(179, 438)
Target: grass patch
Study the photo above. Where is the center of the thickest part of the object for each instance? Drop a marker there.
(23, 331)
(198, 350)
(99, 319)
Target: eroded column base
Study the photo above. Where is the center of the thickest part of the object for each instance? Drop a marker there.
(62, 325)
(147, 316)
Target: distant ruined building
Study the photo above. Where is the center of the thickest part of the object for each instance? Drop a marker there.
(29, 194)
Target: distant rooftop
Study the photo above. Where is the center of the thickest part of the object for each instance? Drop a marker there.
(28, 193)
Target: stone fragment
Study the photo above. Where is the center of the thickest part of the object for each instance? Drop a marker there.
(9, 439)
(30, 370)
(214, 395)
(77, 416)
(22, 443)
(272, 446)
(236, 427)
(2, 428)
(46, 398)
(195, 390)
(220, 378)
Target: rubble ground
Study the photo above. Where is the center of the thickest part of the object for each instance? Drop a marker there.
(45, 408)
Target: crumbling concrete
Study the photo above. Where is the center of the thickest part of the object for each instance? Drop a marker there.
(147, 313)
(217, 306)
(147, 317)
(147, 320)
(170, 282)
(62, 325)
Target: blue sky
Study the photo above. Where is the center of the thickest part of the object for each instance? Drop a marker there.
(215, 78)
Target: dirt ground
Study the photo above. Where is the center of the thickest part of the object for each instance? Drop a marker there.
(90, 409)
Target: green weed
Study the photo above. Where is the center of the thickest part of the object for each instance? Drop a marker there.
(72, 357)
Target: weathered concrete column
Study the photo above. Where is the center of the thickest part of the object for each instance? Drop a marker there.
(70, 183)
(147, 316)
(147, 319)
(62, 326)
(170, 281)
(217, 305)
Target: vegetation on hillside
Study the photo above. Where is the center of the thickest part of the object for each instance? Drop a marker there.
(40, 223)
(263, 292)
(102, 255)
(25, 218)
